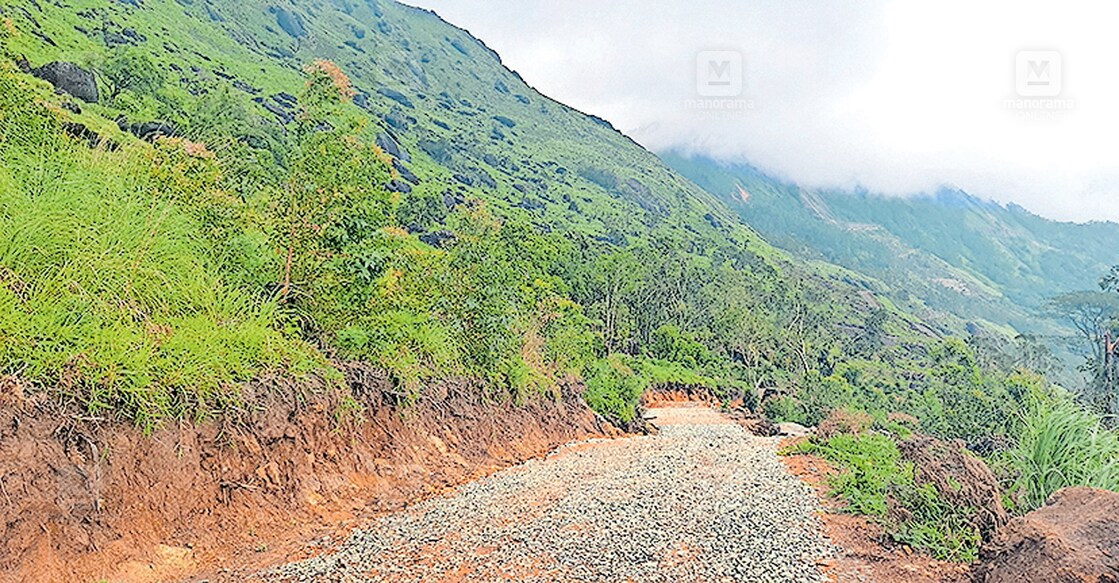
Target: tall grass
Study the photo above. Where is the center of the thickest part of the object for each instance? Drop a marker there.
(106, 290)
(1061, 445)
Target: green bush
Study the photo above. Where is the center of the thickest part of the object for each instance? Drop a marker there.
(875, 481)
(783, 408)
(613, 389)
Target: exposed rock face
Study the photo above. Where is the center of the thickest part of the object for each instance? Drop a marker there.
(69, 78)
(1075, 537)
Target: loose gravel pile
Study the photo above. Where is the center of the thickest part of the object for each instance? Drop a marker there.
(702, 501)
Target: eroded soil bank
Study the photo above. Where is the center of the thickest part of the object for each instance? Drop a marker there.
(87, 500)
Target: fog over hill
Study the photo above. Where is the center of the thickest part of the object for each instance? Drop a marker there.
(900, 99)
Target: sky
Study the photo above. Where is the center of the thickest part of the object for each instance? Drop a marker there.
(1009, 101)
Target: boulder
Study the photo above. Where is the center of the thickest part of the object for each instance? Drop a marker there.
(1075, 537)
(148, 130)
(437, 238)
(69, 78)
(791, 429)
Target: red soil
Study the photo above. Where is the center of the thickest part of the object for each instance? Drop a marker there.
(84, 499)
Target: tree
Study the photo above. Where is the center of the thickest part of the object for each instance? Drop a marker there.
(1110, 281)
(130, 70)
(1094, 315)
(335, 181)
(1091, 313)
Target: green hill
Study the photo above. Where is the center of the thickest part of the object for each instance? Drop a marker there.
(980, 261)
(272, 188)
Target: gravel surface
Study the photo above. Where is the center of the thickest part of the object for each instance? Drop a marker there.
(702, 501)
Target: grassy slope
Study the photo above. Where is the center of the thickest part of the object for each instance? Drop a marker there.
(445, 75)
(472, 129)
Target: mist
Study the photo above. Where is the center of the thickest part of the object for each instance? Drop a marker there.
(898, 98)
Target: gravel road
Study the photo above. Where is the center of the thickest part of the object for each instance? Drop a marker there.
(702, 501)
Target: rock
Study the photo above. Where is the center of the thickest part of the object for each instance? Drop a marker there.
(437, 238)
(793, 429)
(396, 96)
(1075, 537)
(283, 115)
(529, 204)
(238, 84)
(404, 172)
(291, 23)
(392, 147)
(285, 99)
(452, 200)
(82, 133)
(149, 130)
(501, 119)
(399, 186)
(69, 78)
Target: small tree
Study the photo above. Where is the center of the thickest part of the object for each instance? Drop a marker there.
(332, 175)
(129, 70)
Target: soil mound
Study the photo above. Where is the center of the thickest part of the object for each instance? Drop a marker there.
(1075, 537)
(960, 478)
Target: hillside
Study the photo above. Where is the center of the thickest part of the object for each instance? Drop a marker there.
(487, 230)
(978, 260)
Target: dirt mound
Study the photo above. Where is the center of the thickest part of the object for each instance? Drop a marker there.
(86, 499)
(1075, 537)
(843, 422)
(669, 394)
(960, 478)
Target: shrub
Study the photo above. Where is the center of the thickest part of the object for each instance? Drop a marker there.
(613, 390)
(783, 408)
(876, 481)
(844, 421)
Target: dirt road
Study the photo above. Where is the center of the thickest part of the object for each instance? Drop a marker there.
(701, 501)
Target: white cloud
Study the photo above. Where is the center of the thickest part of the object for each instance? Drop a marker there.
(898, 97)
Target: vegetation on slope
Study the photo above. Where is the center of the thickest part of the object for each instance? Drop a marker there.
(377, 219)
(947, 253)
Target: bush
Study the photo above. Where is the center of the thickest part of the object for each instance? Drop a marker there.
(844, 421)
(613, 390)
(783, 408)
(876, 481)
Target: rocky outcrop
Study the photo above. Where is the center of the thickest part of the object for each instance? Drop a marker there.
(148, 130)
(1075, 537)
(69, 78)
